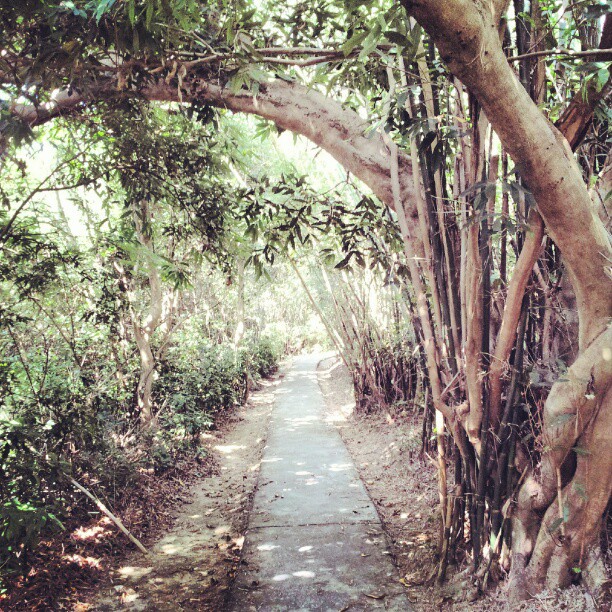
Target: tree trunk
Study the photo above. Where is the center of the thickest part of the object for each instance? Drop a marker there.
(143, 332)
(145, 381)
(575, 410)
(239, 332)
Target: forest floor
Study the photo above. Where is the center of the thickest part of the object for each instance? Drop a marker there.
(196, 531)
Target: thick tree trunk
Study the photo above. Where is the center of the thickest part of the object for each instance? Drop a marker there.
(574, 410)
(576, 419)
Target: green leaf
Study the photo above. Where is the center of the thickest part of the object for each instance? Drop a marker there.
(131, 11)
(416, 35)
(534, 378)
(397, 38)
(371, 41)
(580, 489)
(602, 76)
(426, 142)
(329, 259)
(149, 12)
(103, 6)
(352, 42)
(342, 264)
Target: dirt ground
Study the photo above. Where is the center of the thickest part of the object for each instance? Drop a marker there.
(193, 565)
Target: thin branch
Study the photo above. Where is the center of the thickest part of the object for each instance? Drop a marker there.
(23, 361)
(37, 189)
(108, 513)
(309, 62)
(57, 326)
(562, 52)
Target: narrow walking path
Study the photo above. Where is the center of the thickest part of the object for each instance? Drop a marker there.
(315, 541)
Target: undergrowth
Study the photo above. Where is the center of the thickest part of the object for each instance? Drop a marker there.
(71, 432)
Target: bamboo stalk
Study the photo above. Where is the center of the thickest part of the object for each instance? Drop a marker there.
(504, 223)
(508, 420)
(428, 98)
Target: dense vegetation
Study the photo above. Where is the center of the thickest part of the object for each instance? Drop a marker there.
(462, 265)
(124, 327)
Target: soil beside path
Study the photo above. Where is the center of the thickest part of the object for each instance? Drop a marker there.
(403, 485)
(191, 567)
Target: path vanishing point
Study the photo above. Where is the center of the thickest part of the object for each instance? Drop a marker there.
(314, 541)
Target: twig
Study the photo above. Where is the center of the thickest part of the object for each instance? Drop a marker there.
(9, 224)
(563, 52)
(110, 515)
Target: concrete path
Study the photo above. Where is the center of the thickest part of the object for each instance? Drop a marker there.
(315, 541)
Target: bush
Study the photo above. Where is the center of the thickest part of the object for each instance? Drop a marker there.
(21, 526)
(74, 429)
(199, 382)
(265, 357)
(259, 358)
(33, 461)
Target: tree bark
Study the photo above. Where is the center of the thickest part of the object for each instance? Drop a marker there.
(144, 331)
(473, 52)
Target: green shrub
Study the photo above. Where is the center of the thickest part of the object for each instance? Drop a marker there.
(29, 486)
(264, 357)
(72, 427)
(197, 383)
(21, 526)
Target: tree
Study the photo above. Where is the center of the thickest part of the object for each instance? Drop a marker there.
(576, 409)
(196, 55)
